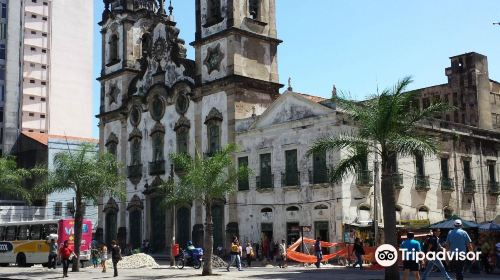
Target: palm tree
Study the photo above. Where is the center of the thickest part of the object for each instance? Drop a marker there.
(90, 175)
(388, 123)
(207, 180)
(12, 179)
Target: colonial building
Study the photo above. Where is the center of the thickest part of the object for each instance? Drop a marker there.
(155, 101)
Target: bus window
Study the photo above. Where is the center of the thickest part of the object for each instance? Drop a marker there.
(36, 232)
(10, 233)
(49, 229)
(24, 232)
(2, 233)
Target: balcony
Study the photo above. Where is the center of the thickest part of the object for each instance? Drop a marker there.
(134, 171)
(469, 186)
(318, 176)
(447, 185)
(290, 179)
(364, 180)
(157, 167)
(265, 182)
(422, 183)
(396, 180)
(493, 188)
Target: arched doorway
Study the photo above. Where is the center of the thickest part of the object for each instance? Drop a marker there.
(111, 227)
(158, 229)
(135, 217)
(218, 220)
(183, 226)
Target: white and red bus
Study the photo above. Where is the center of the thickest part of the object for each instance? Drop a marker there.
(27, 243)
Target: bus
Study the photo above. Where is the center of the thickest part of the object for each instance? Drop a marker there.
(27, 243)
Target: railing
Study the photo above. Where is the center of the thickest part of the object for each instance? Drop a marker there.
(134, 171)
(493, 188)
(243, 184)
(290, 179)
(157, 167)
(364, 178)
(422, 183)
(447, 184)
(397, 180)
(469, 186)
(318, 176)
(264, 181)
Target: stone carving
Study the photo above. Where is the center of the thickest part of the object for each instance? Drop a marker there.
(214, 58)
(161, 49)
(150, 5)
(214, 115)
(113, 94)
(135, 116)
(111, 206)
(183, 122)
(135, 204)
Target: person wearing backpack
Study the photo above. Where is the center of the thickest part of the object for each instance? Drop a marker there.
(359, 252)
(235, 255)
(116, 256)
(432, 245)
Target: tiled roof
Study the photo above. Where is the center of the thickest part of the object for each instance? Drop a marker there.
(44, 138)
(313, 98)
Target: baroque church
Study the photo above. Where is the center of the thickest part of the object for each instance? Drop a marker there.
(155, 101)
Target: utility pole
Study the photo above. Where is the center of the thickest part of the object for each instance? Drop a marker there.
(375, 198)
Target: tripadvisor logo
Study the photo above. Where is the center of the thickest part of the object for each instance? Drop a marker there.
(5, 247)
(387, 255)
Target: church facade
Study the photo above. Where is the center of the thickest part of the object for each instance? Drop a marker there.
(155, 101)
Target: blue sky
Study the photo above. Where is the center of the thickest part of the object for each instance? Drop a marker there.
(359, 44)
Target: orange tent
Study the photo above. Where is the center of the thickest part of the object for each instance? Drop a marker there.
(305, 258)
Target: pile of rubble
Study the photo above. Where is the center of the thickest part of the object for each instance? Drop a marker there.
(135, 261)
(217, 262)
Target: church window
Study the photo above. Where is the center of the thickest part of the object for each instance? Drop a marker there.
(214, 14)
(254, 8)
(135, 116)
(213, 138)
(291, 171)
(113, 48)
(135, 152)
(112, 148)
(182, 140)
(266, 176)
(157, 108)
(243, 183)
(158, 146)
(146, 45)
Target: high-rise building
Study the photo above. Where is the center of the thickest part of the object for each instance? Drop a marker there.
(45, 69)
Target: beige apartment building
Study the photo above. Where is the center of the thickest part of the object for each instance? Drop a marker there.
(46, 69)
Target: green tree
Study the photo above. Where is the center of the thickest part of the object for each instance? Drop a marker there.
(387, 123)
(207, 180)
(12, 179)
(90, 175)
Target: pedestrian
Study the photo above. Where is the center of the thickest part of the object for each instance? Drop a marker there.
(235, 255)
(497, 249)
(94, 255)
(257, 253)
(52, 254)
(485, 255)
(458, 241)
(410, 264)
(265, 249)
(104, 257)
(116, 256)
(66, 254)
(318, 252)
(433, 245)
(282, 254)
(358, 251)
(250, 254)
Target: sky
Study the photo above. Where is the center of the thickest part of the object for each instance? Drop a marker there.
(359, 45)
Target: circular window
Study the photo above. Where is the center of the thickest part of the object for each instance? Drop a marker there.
(182, 103)
(135, 116)
(157, 108)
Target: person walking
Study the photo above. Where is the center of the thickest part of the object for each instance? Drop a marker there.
(235, 255)
(433, 245)
(250, 254)
(66, 253)
(410, 264)
(282, 254)
(318, 252)
(104, 257)
(458, 240)
(52, 254)
(116, 256)
(94, 255)
(358, 251)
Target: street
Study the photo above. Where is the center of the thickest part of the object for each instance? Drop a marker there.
(165, 272)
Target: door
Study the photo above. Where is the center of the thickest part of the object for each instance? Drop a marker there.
(321, 231)
(267, 239)
(218, 220)
(158, 228)
(111, 220)
(135, 227)
(292, 233)
(183, 226)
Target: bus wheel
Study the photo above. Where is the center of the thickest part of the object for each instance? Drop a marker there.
(21, 260)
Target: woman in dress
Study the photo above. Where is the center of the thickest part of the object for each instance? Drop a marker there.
(104, 257)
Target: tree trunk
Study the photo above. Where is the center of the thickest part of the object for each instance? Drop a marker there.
(78, 231)
(389, 212)
(209, 240)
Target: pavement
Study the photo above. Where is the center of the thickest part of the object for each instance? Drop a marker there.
(252, 273)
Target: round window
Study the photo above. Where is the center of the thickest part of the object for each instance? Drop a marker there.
(135, 116)
(157, 108)
(182, 103)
